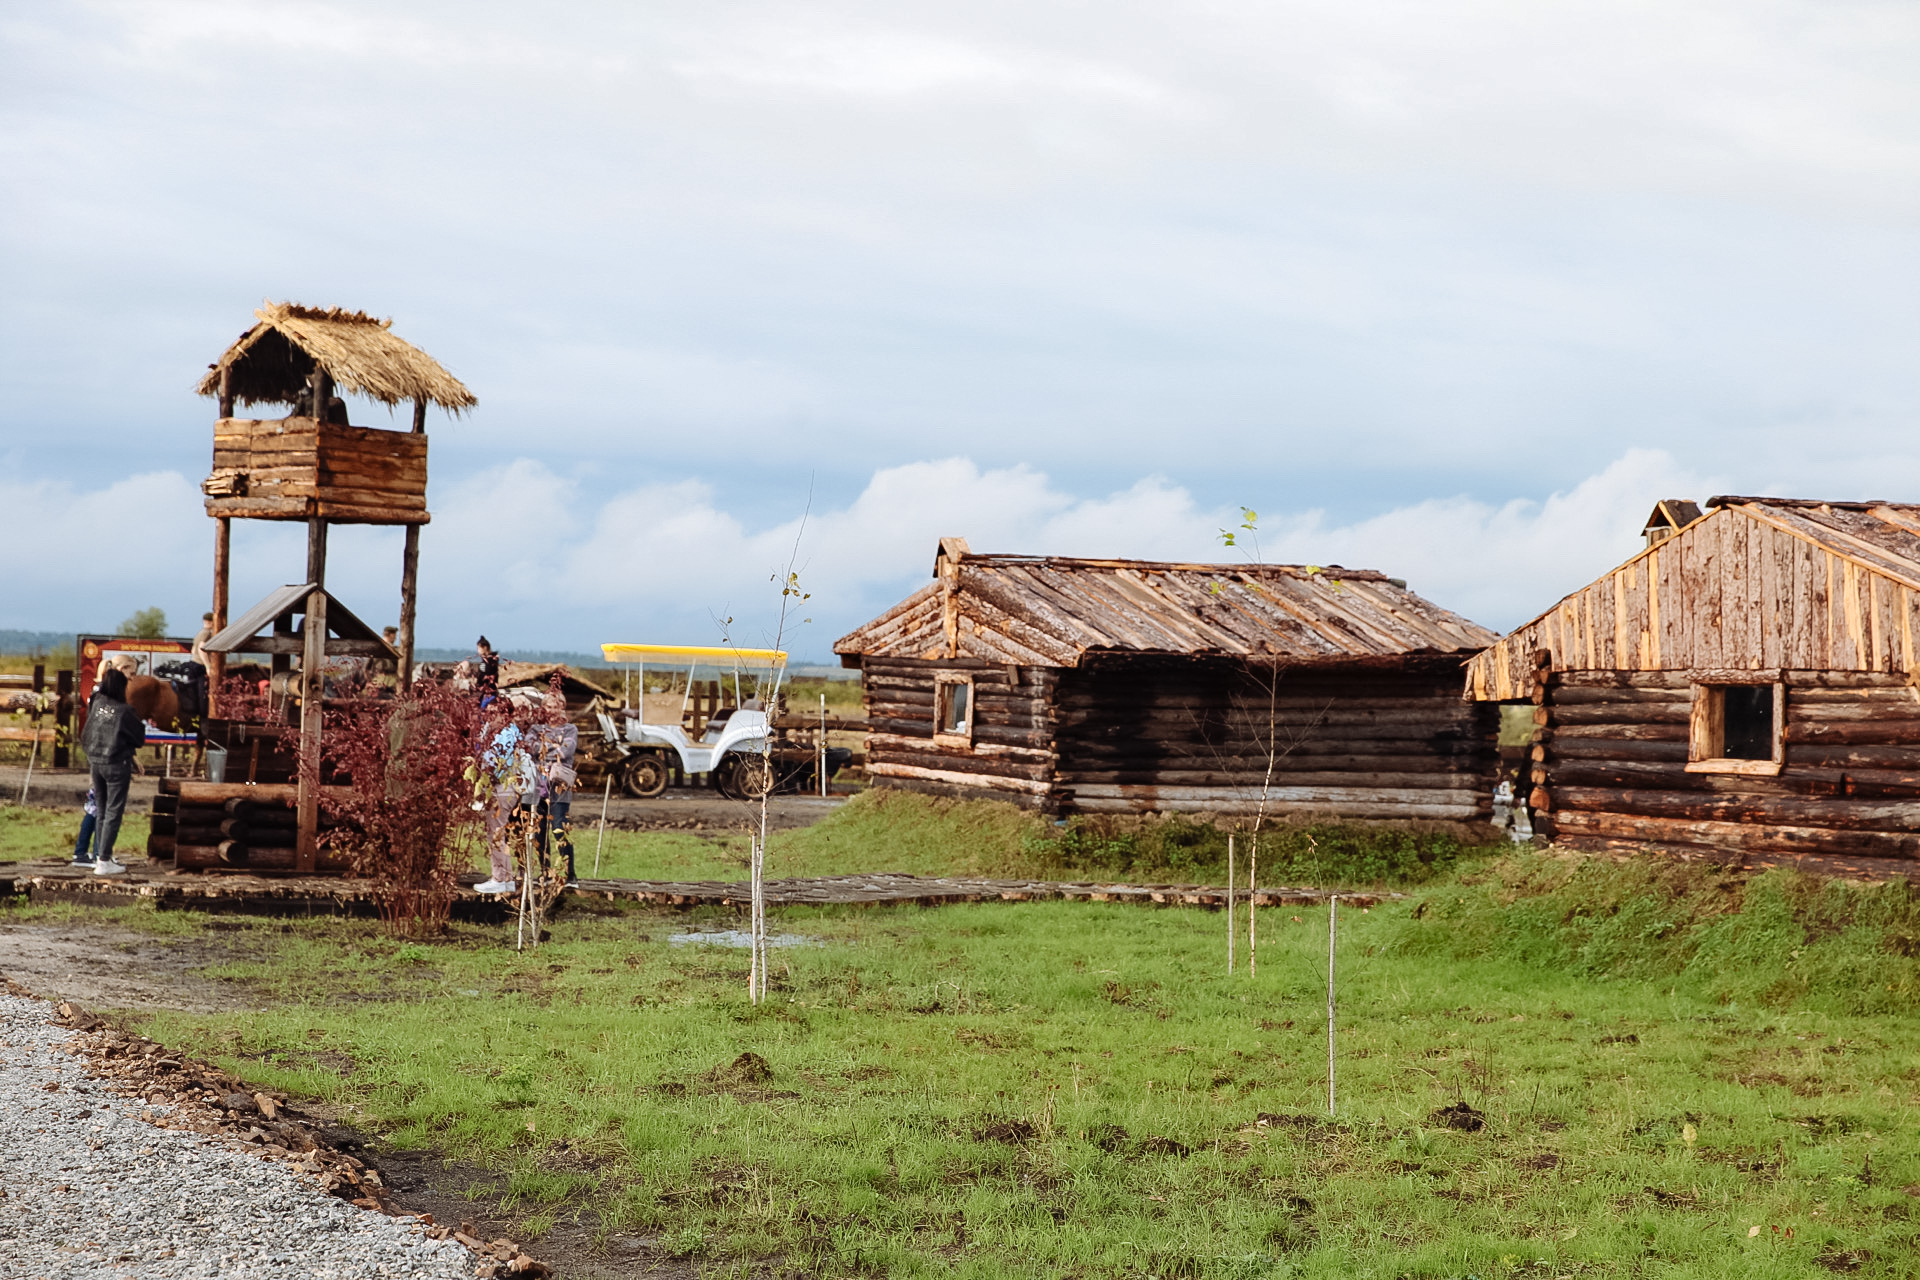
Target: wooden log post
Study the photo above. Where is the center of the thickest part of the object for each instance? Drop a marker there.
(409, 575)
(63, 719)
(317, 551)
(313, 660)
(222, 578)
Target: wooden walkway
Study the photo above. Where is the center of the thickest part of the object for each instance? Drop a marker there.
(325, 895)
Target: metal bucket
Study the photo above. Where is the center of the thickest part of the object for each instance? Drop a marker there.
(216, 764)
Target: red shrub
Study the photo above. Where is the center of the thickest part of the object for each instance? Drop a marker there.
(406, 817)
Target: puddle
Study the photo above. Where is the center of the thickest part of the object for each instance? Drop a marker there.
(740, 938)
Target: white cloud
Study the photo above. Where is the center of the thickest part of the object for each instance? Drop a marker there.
(1500, 564)
(85, 559)
(664, 562)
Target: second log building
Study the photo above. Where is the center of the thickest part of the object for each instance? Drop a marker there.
(1128, 686)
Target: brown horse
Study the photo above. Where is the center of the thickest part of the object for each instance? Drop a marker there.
(155, 701)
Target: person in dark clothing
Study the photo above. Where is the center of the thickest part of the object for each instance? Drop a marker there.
(114, 731)
(486, 671)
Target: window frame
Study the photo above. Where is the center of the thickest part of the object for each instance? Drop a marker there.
(1706, 723)
(943, 681)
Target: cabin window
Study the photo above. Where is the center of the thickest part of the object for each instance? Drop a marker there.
(953, 708)
(1738, 726)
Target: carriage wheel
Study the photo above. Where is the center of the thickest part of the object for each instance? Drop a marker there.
(746, 777)
(644, 777)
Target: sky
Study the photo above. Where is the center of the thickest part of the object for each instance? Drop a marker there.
(1455, 291)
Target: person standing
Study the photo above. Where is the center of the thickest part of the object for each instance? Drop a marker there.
(386, 671)
(113, 733)
(486, 672)
(555, 743)
(507, 779)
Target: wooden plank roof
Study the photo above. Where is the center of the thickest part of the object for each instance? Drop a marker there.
(1755, 583)
(347, 634)
(1055, 611)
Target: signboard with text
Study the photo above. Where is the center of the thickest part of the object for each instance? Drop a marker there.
(153, 655)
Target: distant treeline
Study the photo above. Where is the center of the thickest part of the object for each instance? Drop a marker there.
(34, 642)
(37, 643)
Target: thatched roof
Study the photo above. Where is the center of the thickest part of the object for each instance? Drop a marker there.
(272, 361)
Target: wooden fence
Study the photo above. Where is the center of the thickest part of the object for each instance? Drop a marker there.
(30, 695)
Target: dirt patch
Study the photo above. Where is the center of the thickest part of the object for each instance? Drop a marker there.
(1012, 1132)
(109, 968)
(1458, 1116)
(462, 1194)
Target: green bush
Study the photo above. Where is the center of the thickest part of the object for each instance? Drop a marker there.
(1181, 848)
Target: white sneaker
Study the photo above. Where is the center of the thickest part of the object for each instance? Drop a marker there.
(496, 886)
(108, 867)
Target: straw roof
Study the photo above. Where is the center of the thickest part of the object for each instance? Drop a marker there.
(272, 361)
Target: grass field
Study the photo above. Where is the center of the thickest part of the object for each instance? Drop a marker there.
(30, 833)
(1676, 1073)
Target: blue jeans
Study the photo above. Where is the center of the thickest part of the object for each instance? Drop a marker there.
(83, 847)
(110, 783)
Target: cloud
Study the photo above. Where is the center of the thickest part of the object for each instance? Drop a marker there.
(669, 562)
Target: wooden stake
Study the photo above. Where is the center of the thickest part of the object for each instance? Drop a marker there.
(1333, 926)
(1253, 902)
(1230, 919)
(32, 756)
(601, 843)
(313, 660)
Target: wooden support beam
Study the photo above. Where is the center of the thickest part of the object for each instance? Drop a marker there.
(222, 564)
(226, 392)
(409, 601)
(312, 687)
(317, 551)
(410, 576)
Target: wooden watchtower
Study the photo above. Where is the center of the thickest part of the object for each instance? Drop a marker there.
(315, 467)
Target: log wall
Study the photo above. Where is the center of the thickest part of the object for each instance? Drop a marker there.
(1158, 734)
(1383, 742)
(1012, 753)
(296, 468)
(1610, 758)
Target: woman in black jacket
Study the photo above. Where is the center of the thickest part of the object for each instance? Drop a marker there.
(113, 733)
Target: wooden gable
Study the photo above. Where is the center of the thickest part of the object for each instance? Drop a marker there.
(1756, 584)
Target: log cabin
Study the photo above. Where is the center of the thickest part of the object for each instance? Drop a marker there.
(1131, 686)
(1745, 686)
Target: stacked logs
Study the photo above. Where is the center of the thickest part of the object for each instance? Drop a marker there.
(241, 827)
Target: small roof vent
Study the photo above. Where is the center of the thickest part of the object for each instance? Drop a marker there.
(1670, 516)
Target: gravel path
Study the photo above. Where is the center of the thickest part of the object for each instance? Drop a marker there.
(89, 1189)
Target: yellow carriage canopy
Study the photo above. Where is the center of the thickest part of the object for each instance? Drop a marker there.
(687, 654)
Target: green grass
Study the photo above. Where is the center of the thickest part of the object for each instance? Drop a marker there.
(1666, 1058)
(887, 830)
(28, 834)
